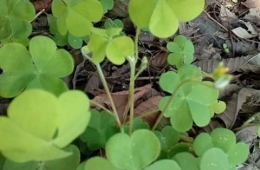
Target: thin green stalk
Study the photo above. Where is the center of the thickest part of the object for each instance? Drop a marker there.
(132, 63)
(104, 82)
(101, 106)
(136, 43)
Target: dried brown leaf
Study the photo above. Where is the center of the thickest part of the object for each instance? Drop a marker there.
(234, 105)
(229, 90)
(93, 84)
(234, 64)
(150, 104)
(121, 99)
(120, 9)
(251, 3)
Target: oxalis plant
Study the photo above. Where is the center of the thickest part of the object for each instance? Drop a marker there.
(45, 119)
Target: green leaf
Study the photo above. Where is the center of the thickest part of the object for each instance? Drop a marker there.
(214, 159)
(238, 154)
(74, 106)
(2, 160)
(163, 23)
(67, 163)
(167, 77)
(15, 23)
(107, 5)
(202, 143)
(138, 123)
(113, 23)
(178, 148)
(133, 152)
(163, 16)
(98, 163)
(223, 138)
(31, 125)
(119, 48)
(75, 42)
(41, 67)
(101, 127)
(219, 107)
(168, 137)
(182, 51)
(164, 164)
(76, 17)
(184, 106)
(186, 161)
(180, 8)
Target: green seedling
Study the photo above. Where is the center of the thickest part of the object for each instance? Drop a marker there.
(219, 150)
(15, 22)
(62, 40)
(40, 67)
(106, 42)
(182, 51)
(184, 106)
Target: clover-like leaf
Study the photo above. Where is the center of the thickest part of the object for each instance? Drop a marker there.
(107, 5)
(133, 152)
(223, 138)
(202, 143)
(165, 164)
(185, 106)
(168, 137)
(186, 161)
(98, 163)
(68, 163)
(182, 51)
(14, 21)
(101, 127)
(42, 67)
(107, 43)
(76, 17)
(163, 24)
(39, 124)
(214, 159)
(238, 153)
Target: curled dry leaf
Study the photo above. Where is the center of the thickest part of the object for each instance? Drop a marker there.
(148, 105)
(247, 134)
(251, 3)
(245, 64)
(120, 9)
(235, 104)
(229, 90)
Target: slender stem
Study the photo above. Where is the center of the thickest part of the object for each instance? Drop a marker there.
(132, 63)
(38, 14)
(136, 42)
(168, 103)
(104, 82)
